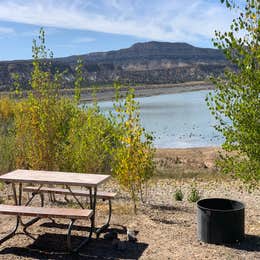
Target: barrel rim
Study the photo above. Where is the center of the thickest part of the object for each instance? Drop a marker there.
(241, 205)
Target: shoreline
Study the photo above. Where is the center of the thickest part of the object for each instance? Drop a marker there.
(189, 148)
(194, 158)
(108, 93)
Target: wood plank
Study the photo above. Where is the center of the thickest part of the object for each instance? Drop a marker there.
(45, 212)
(100, 194)
(52, 177)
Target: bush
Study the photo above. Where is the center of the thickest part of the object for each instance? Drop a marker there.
(90, 142)
(6, 134)
(6, 153)
(235, 101)
(54, 133)
(133, 163)
(178, 195)
(193, 195)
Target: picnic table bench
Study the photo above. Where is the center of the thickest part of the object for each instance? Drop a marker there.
(104, 195)
(40, 212)
(41, 178)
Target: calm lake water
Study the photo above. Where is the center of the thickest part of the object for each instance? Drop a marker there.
(177, 120)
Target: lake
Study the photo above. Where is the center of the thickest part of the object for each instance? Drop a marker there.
(177, 120)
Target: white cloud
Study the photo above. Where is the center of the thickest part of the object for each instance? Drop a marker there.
(66, 45)
(84, 40)
(6, 31)
(165, 20)
(34, 33)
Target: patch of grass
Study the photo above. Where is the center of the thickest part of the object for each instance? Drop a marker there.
(178, 195)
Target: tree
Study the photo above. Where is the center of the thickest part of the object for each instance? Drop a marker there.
(43, 130)
(41, 119)
(235, 102)
(133, 155)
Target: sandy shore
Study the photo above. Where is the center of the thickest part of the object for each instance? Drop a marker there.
(187, 159)
(108, 93)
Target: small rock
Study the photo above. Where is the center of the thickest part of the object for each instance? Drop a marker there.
(131, 235)
(208, 164)
(110, 235)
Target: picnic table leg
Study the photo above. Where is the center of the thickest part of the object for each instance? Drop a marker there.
(69, 234)
(34, 220)
(106, 225)
(34, 194)
(16, 201)
(14, 194)
(74, 196)
(85, 241)
(20, 194)
(92, 199)
(12, 233)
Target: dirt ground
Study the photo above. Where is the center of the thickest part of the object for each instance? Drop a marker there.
(186, 160)
(165, 228)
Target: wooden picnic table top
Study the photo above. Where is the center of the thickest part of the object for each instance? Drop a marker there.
(54, 177)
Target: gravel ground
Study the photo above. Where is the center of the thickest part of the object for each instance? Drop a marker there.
(165, 228)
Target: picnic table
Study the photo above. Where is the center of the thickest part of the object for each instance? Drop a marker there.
(41, 179)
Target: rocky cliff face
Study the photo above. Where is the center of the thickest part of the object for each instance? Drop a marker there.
(142, 63)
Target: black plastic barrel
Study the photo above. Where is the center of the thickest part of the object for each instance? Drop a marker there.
(221, 221)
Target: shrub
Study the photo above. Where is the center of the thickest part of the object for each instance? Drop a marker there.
(42, 119)
(178, 195)
(6, 134)
(6, 152)
(90, 142)
(54, 133)
(235, 102)
(193, 195)
(133, 163)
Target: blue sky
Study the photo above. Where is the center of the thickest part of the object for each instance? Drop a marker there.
(82, 26)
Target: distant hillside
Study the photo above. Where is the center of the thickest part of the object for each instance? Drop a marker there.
(142, 63)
